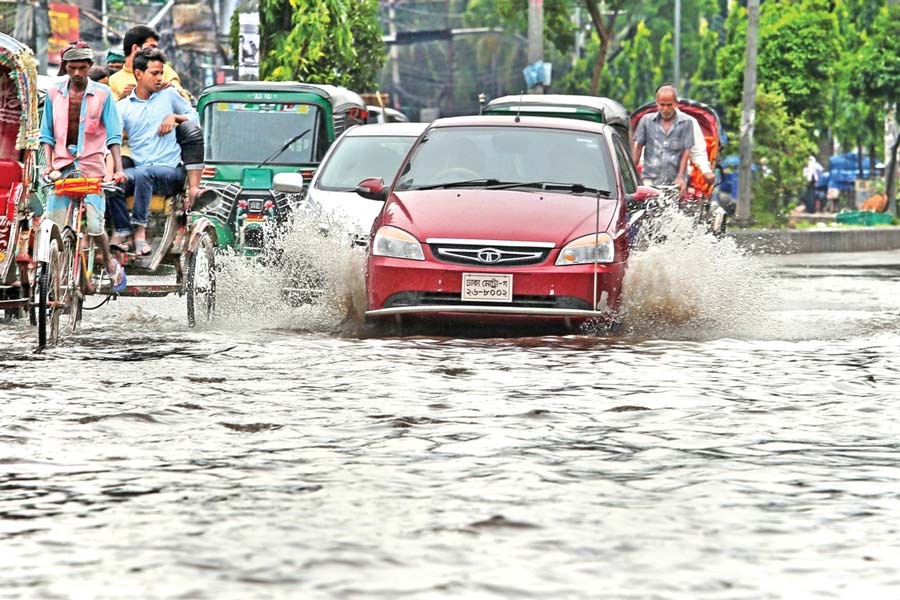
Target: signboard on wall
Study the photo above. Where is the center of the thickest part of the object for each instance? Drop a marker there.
(248, 46)
(64, 29)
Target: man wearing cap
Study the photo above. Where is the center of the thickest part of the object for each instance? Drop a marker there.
(79, 123)
(114, 60)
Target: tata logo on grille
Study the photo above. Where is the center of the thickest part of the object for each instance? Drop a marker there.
(489, 255)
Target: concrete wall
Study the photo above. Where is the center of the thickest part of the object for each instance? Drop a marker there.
(836, 239)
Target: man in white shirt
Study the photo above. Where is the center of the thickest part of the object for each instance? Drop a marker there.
(699, 156)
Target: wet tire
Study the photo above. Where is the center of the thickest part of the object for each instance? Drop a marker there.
(201, 282)
(70, 285)
(43, 289)
(47, 292)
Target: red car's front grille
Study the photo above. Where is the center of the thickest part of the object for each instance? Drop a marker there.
(485, 255)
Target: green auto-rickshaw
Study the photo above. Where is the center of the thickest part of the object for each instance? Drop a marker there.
(263, 142)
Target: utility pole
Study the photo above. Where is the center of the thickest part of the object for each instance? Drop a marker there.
(536, 37)
(451, 59)
(890, 147)
(579, 35)
(748, 115)
(41, 35)
(676, 81)
(394, 50)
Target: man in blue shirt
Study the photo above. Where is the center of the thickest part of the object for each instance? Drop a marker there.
(149, 117)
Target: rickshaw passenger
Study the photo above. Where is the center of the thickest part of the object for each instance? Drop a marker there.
(79, 123)
(188, 134)
(149, 116)
(700, 154)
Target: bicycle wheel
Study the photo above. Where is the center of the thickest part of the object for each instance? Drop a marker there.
(70, 283)
(201, 282)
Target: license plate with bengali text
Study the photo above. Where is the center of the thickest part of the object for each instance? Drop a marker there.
(487, 287)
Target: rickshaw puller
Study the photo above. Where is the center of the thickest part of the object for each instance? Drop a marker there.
(664, 138)
(79, 123)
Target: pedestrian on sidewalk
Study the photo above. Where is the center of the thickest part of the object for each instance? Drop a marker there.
(811, 173)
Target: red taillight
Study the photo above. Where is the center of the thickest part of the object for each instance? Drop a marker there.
(307, 174)
(358, 114)
(209, 172)
(269, 204)
(242, 204)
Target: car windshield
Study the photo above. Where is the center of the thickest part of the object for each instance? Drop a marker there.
(498, 156)
(250, 132)
(360, 157)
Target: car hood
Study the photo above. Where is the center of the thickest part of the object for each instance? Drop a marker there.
(498, 214)
(353, 212)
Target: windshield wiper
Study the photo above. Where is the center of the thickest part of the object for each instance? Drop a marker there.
(466, 183)
(283, 148)
(576, 188)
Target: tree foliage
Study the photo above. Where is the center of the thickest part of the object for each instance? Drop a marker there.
(781, 147)
(321, 41)
(799, 49)
(877, 68)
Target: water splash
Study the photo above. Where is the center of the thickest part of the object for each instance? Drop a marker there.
(688, 283)
(250, 290)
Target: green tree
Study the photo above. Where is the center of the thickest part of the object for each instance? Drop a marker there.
(320, 41)
(877, 74)
(799, 49)
(704, 83)
(781, 146)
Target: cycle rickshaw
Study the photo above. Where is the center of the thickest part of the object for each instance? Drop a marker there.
(184, 248)
(20, 210)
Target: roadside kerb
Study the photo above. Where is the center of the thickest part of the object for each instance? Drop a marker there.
(832, 239)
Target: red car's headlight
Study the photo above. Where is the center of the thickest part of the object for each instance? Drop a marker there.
(396, 243)
(588, 249)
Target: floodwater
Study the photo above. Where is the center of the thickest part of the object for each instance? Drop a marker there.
(740, 439)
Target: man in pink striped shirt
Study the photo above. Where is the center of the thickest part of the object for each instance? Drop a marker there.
(79, 123)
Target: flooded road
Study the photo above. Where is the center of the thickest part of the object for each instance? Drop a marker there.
(743, 444)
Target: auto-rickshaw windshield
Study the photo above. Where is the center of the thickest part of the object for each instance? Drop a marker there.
(249, 132)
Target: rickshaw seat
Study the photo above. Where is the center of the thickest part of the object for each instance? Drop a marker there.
(157, 203)
(696, 177)
(10, 172)
(10, 176)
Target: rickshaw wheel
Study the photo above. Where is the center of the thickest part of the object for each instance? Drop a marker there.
(201, 282)
(70, 284)
(48, 291)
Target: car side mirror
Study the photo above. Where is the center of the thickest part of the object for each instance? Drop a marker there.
(288, 183)
(641, 195)
(372, 188)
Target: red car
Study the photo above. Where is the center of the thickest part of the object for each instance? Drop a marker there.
(496, 218)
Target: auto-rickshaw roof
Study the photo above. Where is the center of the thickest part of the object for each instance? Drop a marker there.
(339, 97)
(610, 111)
(19, 59)
(607, 107)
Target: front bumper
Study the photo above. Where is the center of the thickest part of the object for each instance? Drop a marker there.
(427, 288)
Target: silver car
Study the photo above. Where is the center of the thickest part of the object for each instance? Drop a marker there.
(362, 152)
